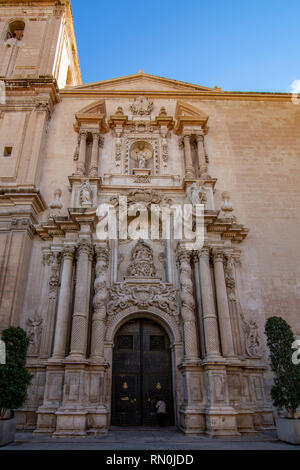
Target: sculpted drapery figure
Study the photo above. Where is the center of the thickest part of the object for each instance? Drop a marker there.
(196, 194)
(86, 193)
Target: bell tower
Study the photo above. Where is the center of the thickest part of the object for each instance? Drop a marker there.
(37, 41)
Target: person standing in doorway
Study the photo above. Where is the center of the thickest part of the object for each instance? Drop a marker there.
(161, 411)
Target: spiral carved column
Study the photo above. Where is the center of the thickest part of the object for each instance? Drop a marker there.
(99, 302)
(188, 306)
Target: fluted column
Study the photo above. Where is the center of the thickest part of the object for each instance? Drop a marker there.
(189, 167)
(201, 155)
(209, 312)
(82, 300)
(80, 169)
(223, 308)
(94, 156)
(196, 260)
(99, 302)
(63, 309)
(188, 306)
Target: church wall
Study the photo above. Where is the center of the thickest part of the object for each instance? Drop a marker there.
(254, 157)
(254, 151)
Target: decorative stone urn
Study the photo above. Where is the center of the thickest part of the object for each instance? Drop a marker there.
(288, 430)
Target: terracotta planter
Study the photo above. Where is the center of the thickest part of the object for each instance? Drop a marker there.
(288, 430)
(7, 431)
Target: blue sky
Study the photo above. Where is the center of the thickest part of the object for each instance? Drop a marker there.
(239, 45)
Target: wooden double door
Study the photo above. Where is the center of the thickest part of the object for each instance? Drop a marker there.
(142, 373)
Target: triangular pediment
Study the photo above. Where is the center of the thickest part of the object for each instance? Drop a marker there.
(144, 82)
(94, 108)
(187, 110)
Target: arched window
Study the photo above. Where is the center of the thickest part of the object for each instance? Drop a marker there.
(16, 30)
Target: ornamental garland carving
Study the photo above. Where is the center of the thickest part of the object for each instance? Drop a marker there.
(141, 106)
(126, 295)
(142, 264)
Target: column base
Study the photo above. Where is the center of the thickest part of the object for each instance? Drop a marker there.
(192, 421)
(26, 419)
(245, 422)
(70, 423)
(97, 421)
(46, 421)
(221, 422)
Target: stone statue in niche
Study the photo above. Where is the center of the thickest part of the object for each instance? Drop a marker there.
(226, 207)
(56, 204)
(141, 159)
(86, 194)
(142, 264)
(141, 153)
(196, 194)
(34, 334)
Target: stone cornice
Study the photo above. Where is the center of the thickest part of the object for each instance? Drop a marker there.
(10, 197)
(32, 87)
(176, 94)
(98, 120)
(59, 226)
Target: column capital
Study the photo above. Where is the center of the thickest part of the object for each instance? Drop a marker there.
(102, 254)
(218, 255)
(101, 141)
(199, 137)
(187, 135)
(68, 252)
(85, 247)
(184, 255)
(195, 256)
(83, 133)
(204, 252)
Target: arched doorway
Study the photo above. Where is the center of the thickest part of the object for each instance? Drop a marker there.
(142, 372)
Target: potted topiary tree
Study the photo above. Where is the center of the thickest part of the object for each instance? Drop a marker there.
(14, 380)
(286, 389)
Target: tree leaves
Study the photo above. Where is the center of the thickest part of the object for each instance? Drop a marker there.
(14, 377)
(286, 389)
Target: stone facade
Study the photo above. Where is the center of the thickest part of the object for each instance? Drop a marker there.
(65, 148)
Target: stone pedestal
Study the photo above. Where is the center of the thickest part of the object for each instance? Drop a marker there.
(192, 410)
(141, 171)
(221, 418)
(71, 416)
(46, 417)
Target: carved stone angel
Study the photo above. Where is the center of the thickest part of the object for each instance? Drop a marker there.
(196, 194)
(34, 334)
(86, 194)
(253, 344)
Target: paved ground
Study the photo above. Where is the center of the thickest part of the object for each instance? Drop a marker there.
(148, 439)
